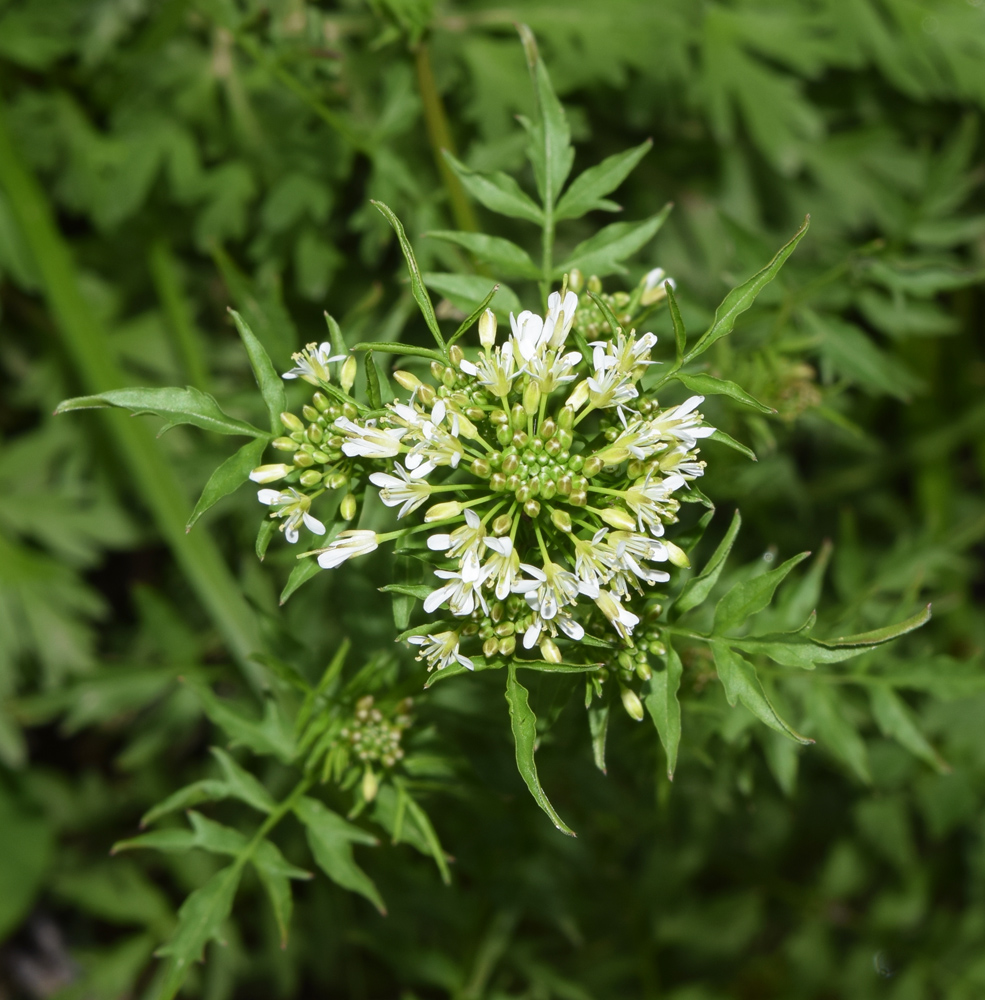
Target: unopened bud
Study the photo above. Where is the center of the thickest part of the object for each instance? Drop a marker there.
(348, 507)
(531, 399)
(497, 482)
(576, 280)
(480, 467)
(269, 473)
(531, 508)
(502, 524)
(490, 647)
(643, 670)
(594, 284)
(284, 444)
(507, 646)
(336, 480)
(310, 477)
(593, 466)
(321, 401)
(561, 519)
(547, 429)
(549, 650)
(579, 397)
(632, 704)
(370, 785)
(426, 394)
(677, 555)
(618, 518)
(455, 355)
(442, 511)
(310, 413)
(348, 374)
(487, 329)
(518, 416)
(291, 422)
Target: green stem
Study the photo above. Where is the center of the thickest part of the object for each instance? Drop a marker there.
(92, 355)
(547, 252)
(439, 135)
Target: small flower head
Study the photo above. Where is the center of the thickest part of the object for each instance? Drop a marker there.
(311, 364)
(348, 544)
(293, 507)
(440, 650)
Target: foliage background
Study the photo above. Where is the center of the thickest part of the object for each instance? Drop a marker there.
(196, 155)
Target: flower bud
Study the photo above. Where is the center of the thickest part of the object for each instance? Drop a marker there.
(566, 418)
(561, 519)
(547, 429)
(564, 486)
(437, 369)
(270, 473)
(518, 416)
(291, 422)
(347, 509)
(426, 394)
(348, 374)
(511, 463)
(578, 498)
(549, 650)
(579, 397)
(284, 444)
(548, 489)
(594, 284)
(310, 477)
(497, 482)
(531, 399)
(593, 466)
(336, 480)
(507, 646)
(643, 670)
(502, 524)
(349, 410)
(531, 508)
(441, 511)
(504, 435)
(370, 785)
(677, 555)
(490, 647)
(618, 518)
(487, 329)
(310, 413)
(480, 467)
(576, 280)
(632, 704)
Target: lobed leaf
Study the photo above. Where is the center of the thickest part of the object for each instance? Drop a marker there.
(502, 254)
(180, 406)
(585, 193)
(523, 722)
(499, 192)
(603, 253)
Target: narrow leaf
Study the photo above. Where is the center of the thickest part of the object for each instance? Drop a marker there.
(598, 725)
(498, 192)
(243, 785)
(504, 255)
(303, 571)
(603, 307)
(740, 299)
(587, 190)
(423, 821)
(416, 284)
(722, 438)
(524, 725)
(209, 790)
(750, 596)
(880, 635)
(373, 382)
(710, 385)
(473, 317)
(214, 837)
(738, 677)
(180, 406)
(394, 347)
(680, 333)
(178, 840)
(699, 587)
(278, 889)
(896, 721)
(835, 732)
(228, 478)
(602, 253)
(270, 383)
(664, 708)
(464, 291)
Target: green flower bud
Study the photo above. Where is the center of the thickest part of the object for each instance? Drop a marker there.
(593, 466)
(310, 413)
(437, 370)
(632, 704)
(504, 629)
(284, 444)
(349, 410)
(502, 524)
(310, 477)
(504, 435)
(576, 280)
(549, 650)
(579, 498)
(456, 355)
(426, 394)
(531, 399)
(553, 447)
(497, 482)
(370, 785)
(269, 473)
(507, 646)
(314, 433)
(347, 509)
(643, 670)
(321, 401)
(548, 490)
(618, 518)
(441, 511)
(547, 429)
(321, 457)
(490, 647)
(561, 519)
(480, 467)
(518, 416)
(594, 284)
(303, 459)
(337, 480)
(487, 329)
(531, 508)
(291, 422)
(564, 486)
(677, 555)
(576, 463)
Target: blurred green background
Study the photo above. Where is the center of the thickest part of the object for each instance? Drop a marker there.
(162, 160)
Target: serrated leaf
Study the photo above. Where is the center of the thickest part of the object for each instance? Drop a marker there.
(895, 720)
(598, 726)
(602, 253)
(228, 478)
(243, 785)
(523, 722)
(740, 299)
(179, 406)
(722, 438)
(209, 790)
(741, 683)
(497, 191)
(270, 383)
(699, 587)
(709, 385)
(465, 291)
(200, 919)
(880, 635)
(503, 255)
(586, 192)
(331, 838)
(417, 288)
(750, 596)
(664, 708)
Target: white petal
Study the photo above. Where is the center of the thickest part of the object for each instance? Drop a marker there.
(268, 496)
(440, 542)
(313, 524)
(291, 534)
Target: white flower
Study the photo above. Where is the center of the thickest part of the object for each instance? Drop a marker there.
(653, 286)
(651, 501)
(438, 447)
(465, 542)
(594, 563)
(347, 545)
(440, 650)
(369, 440)
(623, 620)
(610, 387)
(562, 620)
(560, 316)
(682, 424)
(552, 369)
(293, 507)
(552, 588)
(497, 370)
(628, 550)
(311, 364)
(460, 594)
(502, 566)
(401, 489)
(528, 334)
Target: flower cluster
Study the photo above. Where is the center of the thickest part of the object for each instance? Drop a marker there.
(546, 475)
(374, 737)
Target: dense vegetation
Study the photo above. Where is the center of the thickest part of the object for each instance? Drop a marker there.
(163, 162)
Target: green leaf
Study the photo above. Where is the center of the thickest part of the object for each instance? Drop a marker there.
(503, 255)
(464, 291)
(180, 406)
(228, 478)
(602, 253)
(416, 284)
(473, 316)
(699, 587)
(420, 817)
(172, 839)
(214, 837)
(792, 650)
(550, 148)
(209, 790)
(27, 855)
(664, 708)
(199, 920)
(394, 347)
(750, 596)
(278, 889)
(266, 531)
(680, 333)
(243, 785)
(739, 678)
(270, 383)
(607, 313)
(880, 635)
(740, 299)
(373, 389)
(835, 732)
(416, 590)
(586, 191)
(523, 722)
(709, 385)
(722, 438)
(498, 192)
(303, 571)
(895, 720)
(331, 838)
(598, 725)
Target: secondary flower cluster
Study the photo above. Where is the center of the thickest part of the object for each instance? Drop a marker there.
(548, 475)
